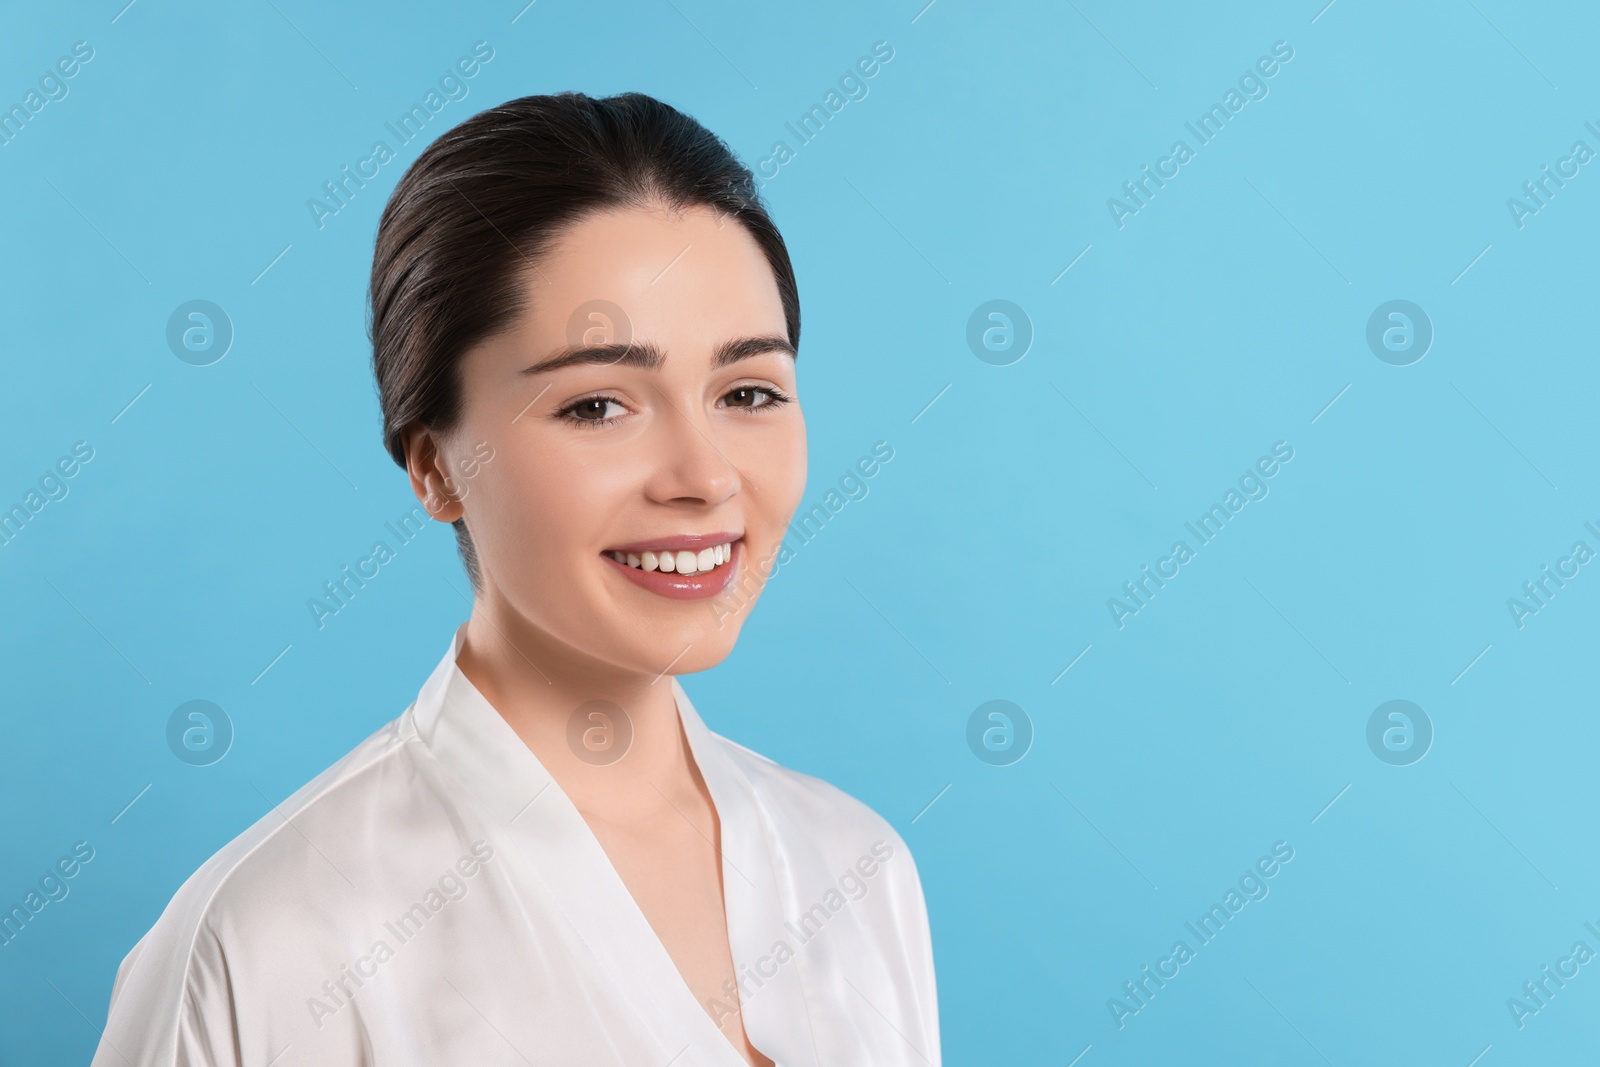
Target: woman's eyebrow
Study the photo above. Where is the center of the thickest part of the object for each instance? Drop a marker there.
(648, 356)
(745, 347)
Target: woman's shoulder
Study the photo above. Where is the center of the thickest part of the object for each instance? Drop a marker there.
(287, 902)
(264, 878)
(351, 786)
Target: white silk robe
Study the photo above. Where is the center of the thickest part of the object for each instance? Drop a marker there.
(435, 899)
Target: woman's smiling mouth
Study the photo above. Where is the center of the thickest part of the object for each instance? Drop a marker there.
(687, 567)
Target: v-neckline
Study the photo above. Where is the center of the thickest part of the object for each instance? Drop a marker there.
(517, 788)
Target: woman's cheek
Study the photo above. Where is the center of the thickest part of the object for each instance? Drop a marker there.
(513, 497)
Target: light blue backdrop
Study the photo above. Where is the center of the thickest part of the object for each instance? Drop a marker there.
(1228, 314)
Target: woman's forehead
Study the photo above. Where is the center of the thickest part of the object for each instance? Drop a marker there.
(690, 278)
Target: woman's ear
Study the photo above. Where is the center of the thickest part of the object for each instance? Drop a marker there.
(429, 473)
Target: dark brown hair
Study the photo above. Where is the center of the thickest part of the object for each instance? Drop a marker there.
(489, 196)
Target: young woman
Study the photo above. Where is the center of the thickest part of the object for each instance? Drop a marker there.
(584, 330)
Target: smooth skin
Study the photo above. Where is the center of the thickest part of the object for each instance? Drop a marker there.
(589, 457)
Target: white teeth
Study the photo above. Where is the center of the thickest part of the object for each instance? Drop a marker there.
(681, 562)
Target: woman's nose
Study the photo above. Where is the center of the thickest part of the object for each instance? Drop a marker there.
(690, 465)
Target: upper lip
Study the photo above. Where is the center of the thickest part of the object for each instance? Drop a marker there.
(678, 543)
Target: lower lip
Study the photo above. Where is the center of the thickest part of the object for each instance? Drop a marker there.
(675, 586)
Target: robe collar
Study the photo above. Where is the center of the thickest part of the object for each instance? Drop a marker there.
(491, 762)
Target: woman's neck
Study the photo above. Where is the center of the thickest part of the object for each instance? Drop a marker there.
(610, 738)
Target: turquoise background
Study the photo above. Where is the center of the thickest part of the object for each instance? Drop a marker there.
(1230, 313)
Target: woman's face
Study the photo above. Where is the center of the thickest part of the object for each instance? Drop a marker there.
(643, 406)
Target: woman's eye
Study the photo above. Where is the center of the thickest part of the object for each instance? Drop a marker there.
(751, 396)
(595, 409)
